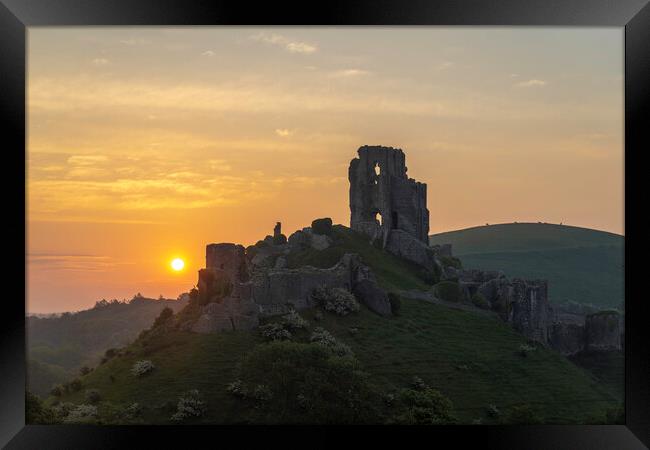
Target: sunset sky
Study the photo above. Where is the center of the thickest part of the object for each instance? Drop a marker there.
(145, 144)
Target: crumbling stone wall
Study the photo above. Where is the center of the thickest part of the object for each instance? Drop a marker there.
(228, 257)
(602, 331)
(530, 309)
(379, 185)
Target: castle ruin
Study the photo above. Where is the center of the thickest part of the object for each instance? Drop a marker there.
(383, 198)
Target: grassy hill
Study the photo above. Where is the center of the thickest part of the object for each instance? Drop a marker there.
(472, 358)
(58, 346)
(582, 265)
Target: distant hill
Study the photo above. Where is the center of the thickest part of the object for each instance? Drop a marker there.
(57, 346)
(582, 265)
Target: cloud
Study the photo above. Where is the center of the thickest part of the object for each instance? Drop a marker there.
(345, 73)
(209, 53)
(445, 65)
(86, 160)
(531, 83)
(100, 62)
(284, 42)
(74, 263)
(132, 42)
(283, 132)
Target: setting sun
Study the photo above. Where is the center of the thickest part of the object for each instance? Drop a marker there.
(177, 264)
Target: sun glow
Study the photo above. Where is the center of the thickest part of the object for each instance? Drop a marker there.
(177, 264)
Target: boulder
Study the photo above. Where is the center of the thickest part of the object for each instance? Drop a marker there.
(370, 294)
(320, 241)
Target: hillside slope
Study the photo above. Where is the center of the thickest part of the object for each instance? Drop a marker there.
(471, 357)
(582, 265)
(58, 346)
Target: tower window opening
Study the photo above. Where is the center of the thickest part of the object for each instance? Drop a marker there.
(377, 169)
(378, 218)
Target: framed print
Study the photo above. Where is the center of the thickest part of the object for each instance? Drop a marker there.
(371, 216)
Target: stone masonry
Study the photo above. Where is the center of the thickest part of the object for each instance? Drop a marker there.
(384, 198)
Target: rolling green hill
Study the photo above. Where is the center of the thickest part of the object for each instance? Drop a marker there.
(471, 357)
(582, 265)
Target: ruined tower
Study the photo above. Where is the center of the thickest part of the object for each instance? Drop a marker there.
(384, 198)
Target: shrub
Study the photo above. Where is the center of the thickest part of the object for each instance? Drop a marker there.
(479, 300)
(451, 261)
(85, 370)
(430, 276)
(274, 332)
(189, 405)
(36, 412)
(142, 367)
(522, 414)
(324, 338)
(418, 383)
(308, 384)
(318, 316)
(57, 390)
(82, 414)
(110, 353)
(294, 321)
(75, 385)
(62, 409)
(92, 396)
(133, 411)
(525, 349)
(448, 291)
(164, 317)
(395, 303)
(424, 407)
(615, 415)
(236, 388)
(493, 411)
(336, 300)
(322, 226)
(280, 239)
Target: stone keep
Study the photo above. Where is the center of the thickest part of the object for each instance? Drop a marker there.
(384, 198)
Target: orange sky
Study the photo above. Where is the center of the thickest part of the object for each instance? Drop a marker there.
(146, 144)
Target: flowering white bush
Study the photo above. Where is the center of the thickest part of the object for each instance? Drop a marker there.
(132, 411)
(236, 388)
(262, 393)
(275, 332)
(418, 383)
(82, 414)
(323, 337)
(141, 367)
(525, 349)
(336, 300)
(189, 405)
(293, 321)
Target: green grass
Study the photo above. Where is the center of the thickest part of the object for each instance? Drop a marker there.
(471, 358)
(608, 367)
(391, 272)
(509, 237)
(581, 265)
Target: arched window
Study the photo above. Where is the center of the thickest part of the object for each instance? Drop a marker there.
(377, 169)
(378, 218)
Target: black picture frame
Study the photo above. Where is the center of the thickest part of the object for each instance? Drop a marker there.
(16, 15)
